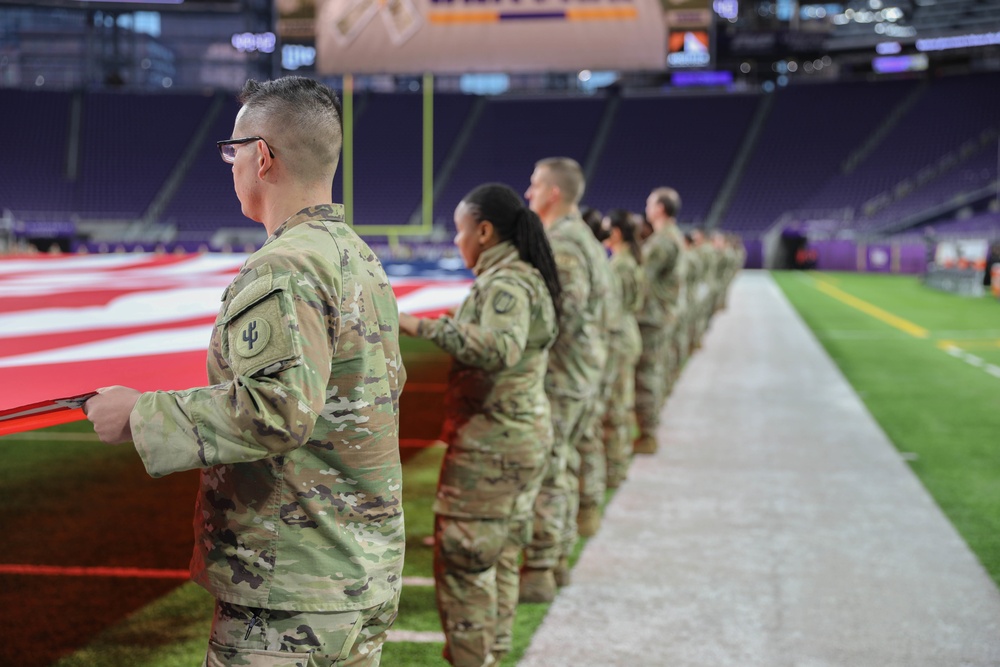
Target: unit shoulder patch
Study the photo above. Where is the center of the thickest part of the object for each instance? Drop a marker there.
(503, 301)
(253, 337)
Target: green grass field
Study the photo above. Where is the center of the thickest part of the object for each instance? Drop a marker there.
(71, 501)
(926, 364)
(937, 396)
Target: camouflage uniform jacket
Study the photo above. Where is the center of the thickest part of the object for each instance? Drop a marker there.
(630, 280)
(298, 436)
(695, 276)
(710, 260)
(577, 360)
(499, 339)
(661, 255)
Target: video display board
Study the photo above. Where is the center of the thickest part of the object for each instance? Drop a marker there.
(457, 36)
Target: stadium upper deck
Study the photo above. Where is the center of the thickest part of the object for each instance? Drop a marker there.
(872, 156)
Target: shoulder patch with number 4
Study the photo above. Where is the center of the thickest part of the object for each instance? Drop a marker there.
(252, 337)
(503, 302)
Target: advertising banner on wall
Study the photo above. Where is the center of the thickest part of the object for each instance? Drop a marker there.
(457, 36)
(878, 258)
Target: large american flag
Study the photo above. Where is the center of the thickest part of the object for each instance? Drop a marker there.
(71, 324)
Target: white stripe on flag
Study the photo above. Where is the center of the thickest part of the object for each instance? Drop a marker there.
(433, 297)
(137, 309)
(166, 341)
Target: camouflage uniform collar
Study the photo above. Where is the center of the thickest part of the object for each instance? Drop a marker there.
(334, 212)
(566, 220)
(499, 255)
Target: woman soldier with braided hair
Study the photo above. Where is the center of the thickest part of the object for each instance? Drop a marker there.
(497, 420)
(621, 231)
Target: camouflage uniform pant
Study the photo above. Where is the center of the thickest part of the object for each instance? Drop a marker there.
(691, 326)
(651, 378)
(476, 573)
(253, 637)
(704, 312)
(558, 500)
(619, 415)
(592, 478)
(681, 344)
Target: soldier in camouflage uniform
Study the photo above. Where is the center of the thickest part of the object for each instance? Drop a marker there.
(497, 420)
(661, 260)
(723, 270)
(625, 343)
(693, 277)
(707, 289)
(299, 521)
(576, 367)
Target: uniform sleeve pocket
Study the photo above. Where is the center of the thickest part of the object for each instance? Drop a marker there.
(259, 328)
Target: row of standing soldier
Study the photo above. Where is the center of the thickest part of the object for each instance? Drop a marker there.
(544, 393)
(299, 533)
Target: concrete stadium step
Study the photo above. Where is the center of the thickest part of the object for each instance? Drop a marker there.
(776, 526)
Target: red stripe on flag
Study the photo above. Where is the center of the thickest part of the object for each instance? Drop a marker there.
(92, 297)
(181, 370)
(35, 422)
(41, 343)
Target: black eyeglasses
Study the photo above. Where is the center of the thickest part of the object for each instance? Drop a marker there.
(227, 148)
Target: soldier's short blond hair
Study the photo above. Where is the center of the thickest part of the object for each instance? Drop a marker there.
(565, 173)
(669, 199)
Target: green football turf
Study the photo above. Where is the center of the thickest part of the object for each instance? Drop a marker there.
(171, 631)
(941, 410)
(71, 500)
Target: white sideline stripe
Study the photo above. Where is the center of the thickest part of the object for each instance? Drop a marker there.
(418, 581)
(415, 637)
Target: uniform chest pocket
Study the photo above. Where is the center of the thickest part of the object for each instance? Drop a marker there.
(259, 331)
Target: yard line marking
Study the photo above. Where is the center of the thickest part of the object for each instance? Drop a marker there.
(415, 636)
(131, 572)
(418, 581)
(404, 443)
(885, 316)
(950, 347)
(73, 571)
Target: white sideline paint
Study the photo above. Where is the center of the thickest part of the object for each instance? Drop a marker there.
(777, 527)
